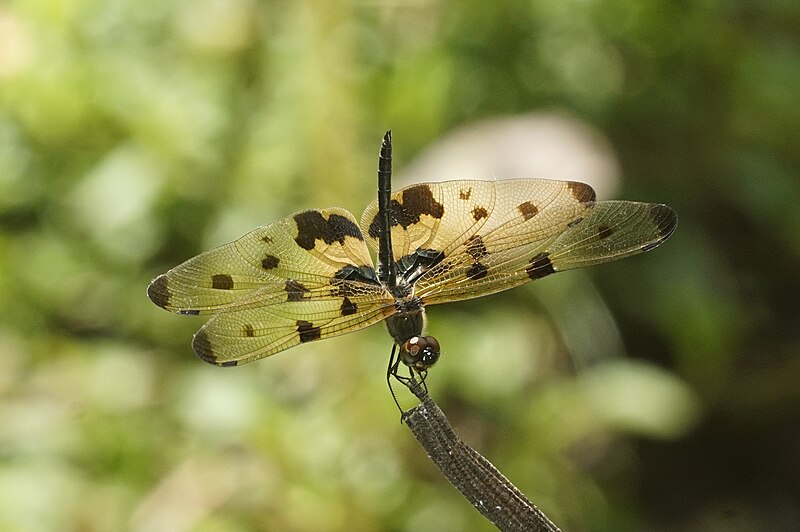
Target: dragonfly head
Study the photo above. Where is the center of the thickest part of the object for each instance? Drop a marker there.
(420, 352)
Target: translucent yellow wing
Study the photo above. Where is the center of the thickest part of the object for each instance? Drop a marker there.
(531, 228)
(307, 247)
(265, 323)
(431, 216)
(302, 278)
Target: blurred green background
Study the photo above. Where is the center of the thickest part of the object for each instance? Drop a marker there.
(657, 393)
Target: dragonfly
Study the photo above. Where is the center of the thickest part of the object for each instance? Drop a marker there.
(310, 276)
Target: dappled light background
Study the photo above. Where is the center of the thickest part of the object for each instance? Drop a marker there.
(659, 392)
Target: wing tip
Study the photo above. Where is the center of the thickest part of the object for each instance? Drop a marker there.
(665, 220)
(161, 295)
(202, 348)
(582, 192)
(159, 292)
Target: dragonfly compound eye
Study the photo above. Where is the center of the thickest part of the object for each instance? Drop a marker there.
(420, 352)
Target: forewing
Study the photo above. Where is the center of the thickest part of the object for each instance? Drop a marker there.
(431, 216)
(262, 324)
(540, 227)
(306, 250)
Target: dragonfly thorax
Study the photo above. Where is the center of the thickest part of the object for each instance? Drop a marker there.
(409, 321)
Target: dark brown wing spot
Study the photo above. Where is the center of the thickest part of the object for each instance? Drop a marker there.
(158, 291)
(604, 231)
(581, 191)
(189, 312)
(312, 226)
(295, 290)
(340, 227)
(249, 331)
(202, 347)
(348, 307)
(476, 247)
(270, 261)
(540, 266)
(307, 331)
(266, 239)
(479, 212)
(362, 274)
(346, 281)
(375, 226)
(464, 194)
(477, 271)
(221, 281)
(417, 200)
(411, 267)
(443, 267)
(574, 222)
(528, 210)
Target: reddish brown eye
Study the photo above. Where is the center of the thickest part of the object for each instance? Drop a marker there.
(433, 344)
(420, 352)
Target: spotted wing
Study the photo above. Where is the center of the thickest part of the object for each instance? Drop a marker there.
(431, 217)
(264, 322)
(539, 227)
(273, 281)
(309, 247)
(434, 222)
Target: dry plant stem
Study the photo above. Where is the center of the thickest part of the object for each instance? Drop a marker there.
(492, 494)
